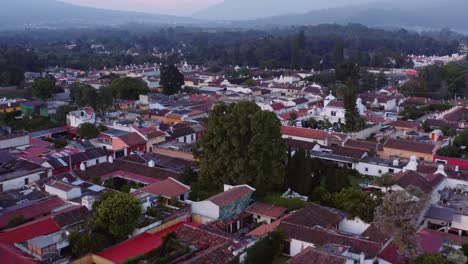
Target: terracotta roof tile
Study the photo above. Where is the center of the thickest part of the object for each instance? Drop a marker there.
(410, 146)
(311, 255)
(231, 195)
(268, 210)
(32, 211)
(314, 215)
(169, 188)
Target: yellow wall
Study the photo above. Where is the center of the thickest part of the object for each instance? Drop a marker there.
(388, 152)
(164, 226)
(10, 109)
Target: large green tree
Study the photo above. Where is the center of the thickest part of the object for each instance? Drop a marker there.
(266, 249)
(117, 213)
(88, 131)
(242, 145)
(83, 94)
(171, 79)
(43, 88)
(129, 88)
(353, 121)
(357, 203)
(399, 215)
(430, 259)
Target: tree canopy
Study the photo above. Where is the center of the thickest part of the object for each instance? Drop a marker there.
(242, 145)
(399, 215)
(43, 88)
(88, 131)
(117, 213)
(129, 88)
(171, 79)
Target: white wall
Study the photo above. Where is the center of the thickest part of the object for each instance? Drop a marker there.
(94, 162)
(354, 226)
(66, 195)
(14, 142)
(298, 246)
(339, 117)
(373, 169)
(262, 219)
(18, 183)
(206, 209)
(189, 139)
(318, 141)
(460, 222)
(76, 118)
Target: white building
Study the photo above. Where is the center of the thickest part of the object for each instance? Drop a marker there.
(63, 190)
(79, 117)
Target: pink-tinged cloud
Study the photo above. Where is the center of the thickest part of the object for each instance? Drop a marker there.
(173, 7)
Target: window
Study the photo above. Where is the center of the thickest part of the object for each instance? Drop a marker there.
(26, 181)
(333, 113)
(380, 171)
(367, 169)
(97, 161)
(391, 170)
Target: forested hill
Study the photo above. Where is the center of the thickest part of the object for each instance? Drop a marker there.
(414, 14)
(313, 47)
(16, 14)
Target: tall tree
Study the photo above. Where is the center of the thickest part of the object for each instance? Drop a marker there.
(88, 131)
(117, 213)
(129, 88)
(83, 95)
(298, 46)
(354, 122)
(338, 53)
(399, 215)
(242, 145)
(171, 79)
(43, 88)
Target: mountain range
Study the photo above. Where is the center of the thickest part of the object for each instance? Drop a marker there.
(413, 14)
(253, 9)
(16, 14)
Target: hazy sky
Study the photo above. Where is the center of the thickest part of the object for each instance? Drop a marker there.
(173, 7)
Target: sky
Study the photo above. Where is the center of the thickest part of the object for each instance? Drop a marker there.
(170, 7)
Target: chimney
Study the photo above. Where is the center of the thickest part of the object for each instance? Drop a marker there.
(82, 166)
(396, 163)
(440, 170)
(457, 168)
(151, 164)
(413, 164)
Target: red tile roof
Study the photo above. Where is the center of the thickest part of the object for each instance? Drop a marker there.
(362, 144)
(311, 255)
(320, 236)
(404, 124)
(33, 211)
(426, 184)
(267, 228)
(304, 132)
(278, 106)
(29, 231)
(231, 195)
(336, 104)
(138, 245)
(133, 139)
(410, 146)
(169, 188)
(314, 215)
(267, 210)
(11, 255)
